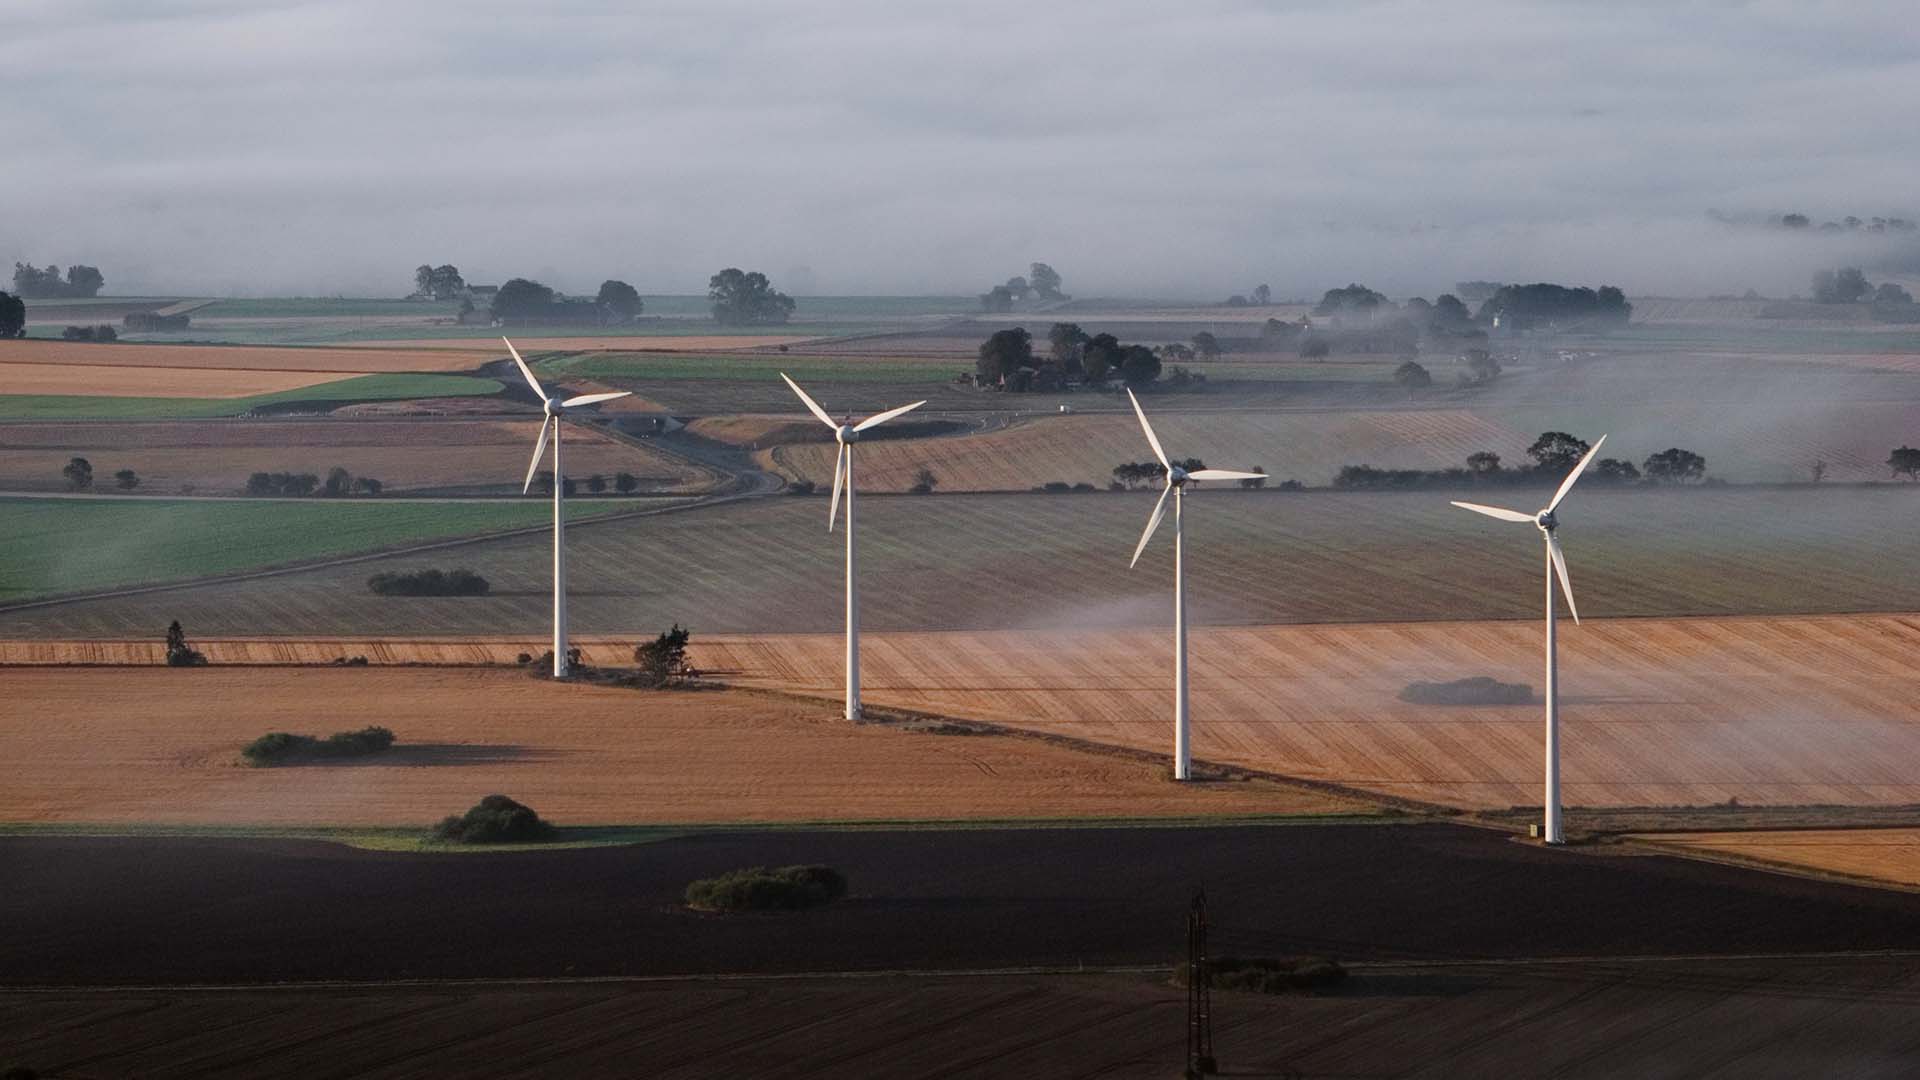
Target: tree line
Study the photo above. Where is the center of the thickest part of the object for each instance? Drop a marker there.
(737, 298)
(1553, 454)
(1007, 361)
(81, 281)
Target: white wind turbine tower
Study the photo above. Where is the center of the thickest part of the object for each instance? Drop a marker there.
(1176, 486)
(555, 409)
(1556, 566)
(846, 435)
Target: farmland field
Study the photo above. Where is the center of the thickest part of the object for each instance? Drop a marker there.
(1039, 561)
(322, 391)
(101, 380)
(68, 545)
(1891, 855)
(450, 456)
(140, 745)
(236, 358)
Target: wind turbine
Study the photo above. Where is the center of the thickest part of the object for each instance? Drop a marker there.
(555, 409)
(1177, 478)
(1556, 566)
(846, 434)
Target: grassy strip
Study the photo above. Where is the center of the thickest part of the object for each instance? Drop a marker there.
(57, 546)
(389, 387)
(418, 839)
(736, 367)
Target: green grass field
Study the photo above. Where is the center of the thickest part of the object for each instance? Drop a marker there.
(71, 545)
(393, 387)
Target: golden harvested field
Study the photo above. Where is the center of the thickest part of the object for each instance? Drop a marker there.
(758, 429)
(1782, 711)
(102, 380)
(1880, 854)
(260, 358)
(601, 343)
(162, 745)
(215, 456)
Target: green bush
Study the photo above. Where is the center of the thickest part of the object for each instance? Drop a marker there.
(496, 819)
(429, 583)
(788, 888)
(280, 747)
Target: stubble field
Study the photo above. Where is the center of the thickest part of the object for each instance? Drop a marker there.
(158, 745)
(1655, 712)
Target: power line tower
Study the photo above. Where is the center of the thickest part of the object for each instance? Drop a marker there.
(1199, 992)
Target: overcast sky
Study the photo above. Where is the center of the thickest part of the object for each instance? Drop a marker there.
(1173, 148)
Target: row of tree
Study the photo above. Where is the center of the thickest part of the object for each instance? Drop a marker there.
(1849, 285)
(1553, 454)
(78, 473)
(81, 281)
(1849, 223)
(523, 301)
(1042, 284)
(624, 482)
(339, 484)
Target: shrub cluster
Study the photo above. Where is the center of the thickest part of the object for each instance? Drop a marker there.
(280, 747)
(1479, 690)
(102, 332)
(460, 582)
(1275, 975)
(339, 484)
(663, 661)
(495, 819)
(788, 888)
(153, 320)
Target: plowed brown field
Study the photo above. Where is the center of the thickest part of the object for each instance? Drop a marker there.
(1784, 711)
(216, 456)
(1879, 854)
(161, 745)
(264, 358)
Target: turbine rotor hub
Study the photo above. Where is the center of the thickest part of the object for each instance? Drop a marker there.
(1177, 476)
(845, 434)
(552, 406)
(1547, 521)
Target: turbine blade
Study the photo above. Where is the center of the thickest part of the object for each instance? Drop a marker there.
(1560, 568)
(880, 418)
(1567, 484)
(812, 405)
(1225, 474)
(1159, 511)
(1148, 428)
(839, 474)
(526, 371)
(539, 449)
(589, 399)
(1496, 512)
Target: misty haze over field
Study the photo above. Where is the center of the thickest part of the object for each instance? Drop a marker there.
(867, 147)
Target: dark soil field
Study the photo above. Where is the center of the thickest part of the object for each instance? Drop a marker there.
(167, 911)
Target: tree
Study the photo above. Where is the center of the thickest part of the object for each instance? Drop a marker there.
(567, 486)
(1045, 282)
(1905, 461)
(13, 316)
(367, 485)
(338, 484)
(1557, 450)
(1674, 466)
(1139, 366)
(626, 483)
(1064, 342)
(1353, 299)
(1017, 286)
(1262, 295)
(1817, 470)
(1100, 356)
(521, 299)
(1521, 306)
(924, 482)
(740, 298)
(1315, 348)
(1615, 471)
(179, 653)
(1890, 293)
(620, 300)
(1411, 376)
(1483, 463)
(1846, 286)
(998, 300)
(1481, 367)
(126, 479)
(79, 474)
(1449, 313)
(1003, 354)
(1205, 345)
(663, 660)
(597, 484)
(423, 280)
(445, 282)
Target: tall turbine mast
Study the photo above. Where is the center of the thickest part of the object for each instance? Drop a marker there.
(1177, 479)
(555, 408)
(844, 436)
(1556, 566)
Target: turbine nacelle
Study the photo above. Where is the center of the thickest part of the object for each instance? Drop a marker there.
(845, 434)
